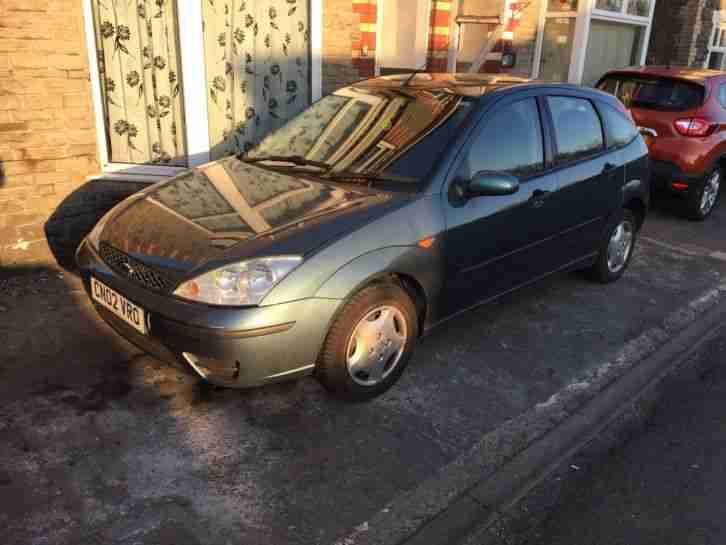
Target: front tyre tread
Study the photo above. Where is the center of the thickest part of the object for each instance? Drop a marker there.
(332, 369)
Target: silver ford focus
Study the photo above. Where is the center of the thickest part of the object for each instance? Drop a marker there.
(379, 212)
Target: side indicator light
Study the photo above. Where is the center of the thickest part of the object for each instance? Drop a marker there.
(426, 243)
(679, 185)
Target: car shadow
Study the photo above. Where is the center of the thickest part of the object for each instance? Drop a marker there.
(76, 215)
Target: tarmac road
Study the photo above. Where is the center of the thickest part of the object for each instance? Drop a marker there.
(667, 486)
(101, 444)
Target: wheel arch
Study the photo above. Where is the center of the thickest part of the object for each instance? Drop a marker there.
(638, 208)
(396, 265)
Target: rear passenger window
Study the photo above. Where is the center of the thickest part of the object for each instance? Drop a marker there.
(620, 130)
(578, 131)
(510, 141)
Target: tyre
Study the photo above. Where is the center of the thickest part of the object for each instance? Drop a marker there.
(369, 343)
(702, 201)
(616, 248)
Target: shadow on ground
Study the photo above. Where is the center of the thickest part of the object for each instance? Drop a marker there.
(100, 443)
(74, 218)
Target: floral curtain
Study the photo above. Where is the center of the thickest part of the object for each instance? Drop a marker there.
(258, 68)
(139, 63)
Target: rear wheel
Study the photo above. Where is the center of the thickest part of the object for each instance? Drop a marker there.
(616, 249)
(369, 343)
(702, 202)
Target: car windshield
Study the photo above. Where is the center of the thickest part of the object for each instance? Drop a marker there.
(368, 134)
(654, 93)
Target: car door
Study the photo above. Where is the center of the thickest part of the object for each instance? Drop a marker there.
(496, 243)
(589, 175)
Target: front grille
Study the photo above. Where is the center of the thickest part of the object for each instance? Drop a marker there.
(134, 270)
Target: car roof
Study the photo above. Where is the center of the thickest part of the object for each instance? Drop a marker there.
(696, 75)
(465, 84)
(474, 85)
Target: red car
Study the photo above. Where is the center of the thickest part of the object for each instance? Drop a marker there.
(687, 110)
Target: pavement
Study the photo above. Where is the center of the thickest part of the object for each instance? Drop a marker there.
(102, 444)
(666, 485)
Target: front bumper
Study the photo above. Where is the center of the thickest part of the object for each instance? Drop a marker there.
(238, 347)
(664, 174)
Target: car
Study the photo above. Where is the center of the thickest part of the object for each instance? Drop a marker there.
(381, 211)
(686, 109)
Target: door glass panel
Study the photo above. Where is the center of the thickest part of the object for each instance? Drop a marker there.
(562, 5)
(611, 45)
(557, 48)
(257, 57)
(639, 7)
(715, 61)
(138, 61)
(609, 5)
(511, 141)
(620, 129)
(577, 128)
(472, 38)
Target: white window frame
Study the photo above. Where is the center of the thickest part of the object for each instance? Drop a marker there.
(715, 38)
(191, 52)
(585, 13)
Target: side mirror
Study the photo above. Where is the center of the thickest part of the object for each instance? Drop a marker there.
(492, 184)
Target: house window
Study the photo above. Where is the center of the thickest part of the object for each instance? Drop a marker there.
(717, 46)
(138, 65)
(610, 5)
(641, 8)
(180, 82)
(637, 8)
(611, 45)
(558, 38)
(580, 41)
(257, 67)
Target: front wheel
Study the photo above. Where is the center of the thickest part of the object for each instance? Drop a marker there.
(369, 343)
(702, 201)
(616, 249)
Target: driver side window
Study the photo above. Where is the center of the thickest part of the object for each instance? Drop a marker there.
(510, 141)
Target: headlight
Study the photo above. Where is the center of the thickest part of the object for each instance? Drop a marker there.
(239, 284)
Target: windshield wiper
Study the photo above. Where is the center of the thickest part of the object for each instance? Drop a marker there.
(297, 160)
(369, 177)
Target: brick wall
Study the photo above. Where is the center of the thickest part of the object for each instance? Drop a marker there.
(47, 134)
(681, 29)
(341, 28)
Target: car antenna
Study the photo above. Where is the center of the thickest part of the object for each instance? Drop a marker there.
(413, 75)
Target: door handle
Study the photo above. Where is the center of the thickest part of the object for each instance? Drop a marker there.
(608, 167)
(538, 197)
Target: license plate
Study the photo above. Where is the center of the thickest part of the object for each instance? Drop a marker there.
(130, 313)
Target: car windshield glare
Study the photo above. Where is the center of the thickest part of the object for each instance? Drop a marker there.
(376, 134)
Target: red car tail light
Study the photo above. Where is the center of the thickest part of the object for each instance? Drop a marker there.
(694, 126)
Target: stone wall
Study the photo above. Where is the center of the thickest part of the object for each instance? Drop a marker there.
(47, 131)
(681, 30)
